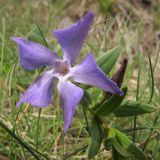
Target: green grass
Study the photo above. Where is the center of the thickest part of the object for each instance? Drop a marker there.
(39, 133)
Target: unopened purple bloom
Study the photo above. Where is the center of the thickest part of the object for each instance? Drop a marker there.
(34, 55)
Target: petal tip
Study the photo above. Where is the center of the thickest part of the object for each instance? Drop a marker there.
(15, 39)
(118, 91)
(121, 93)
(18, 40)
(18, 104)
(90, 13)
(54, 32)
(65, 129)
(66, 126)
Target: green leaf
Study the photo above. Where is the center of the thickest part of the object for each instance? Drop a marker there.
(86, 100)
(111, 104)
(133, 108)
(108, 60)
(120, 149)
(126, 147)
(95, 138)
(111, 133)
(116, 155)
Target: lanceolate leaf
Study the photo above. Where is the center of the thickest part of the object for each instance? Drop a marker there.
(86, 100)
(111, 104)
(120, 149)
(111, 133)
(123, 145)
(133, 108)
(126, 147)
(116, 155)
(95, 138)
(108, 60)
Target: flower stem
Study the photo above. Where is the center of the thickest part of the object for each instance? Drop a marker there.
(37, 130)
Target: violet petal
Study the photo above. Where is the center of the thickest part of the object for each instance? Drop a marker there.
(71, 39)
(88, 72)
(70, 96)
(34, 55)
(39, 94)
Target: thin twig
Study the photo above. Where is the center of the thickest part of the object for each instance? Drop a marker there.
(37, 130)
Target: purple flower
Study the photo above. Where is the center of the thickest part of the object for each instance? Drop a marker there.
(34, 55)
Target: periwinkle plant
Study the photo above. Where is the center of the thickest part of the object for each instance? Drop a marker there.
(34, 55)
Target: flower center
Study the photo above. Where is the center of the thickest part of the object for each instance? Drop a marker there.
(62, 67)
